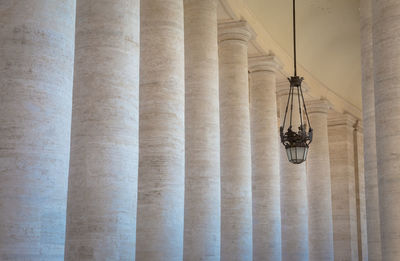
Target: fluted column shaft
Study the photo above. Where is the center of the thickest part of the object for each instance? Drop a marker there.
(36, 75)
(370, 161)
(386, 37)
(161, 132)
(101, 214)
(236, 216)
(320, 231)
(294, 216)
(344, 208)
(202, 182)
(265, 159)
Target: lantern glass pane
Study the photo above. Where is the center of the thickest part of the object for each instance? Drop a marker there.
(297, 155)
(289, 154)
(300, 154)
(305, 153)
(294, 153)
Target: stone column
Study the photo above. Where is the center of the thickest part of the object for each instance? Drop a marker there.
(368, 98)
(161, 132)
(101, 213)
(236, 216)
(265, 159)
(360, 192)
(36, 75)
(294, 216)
(386, 37)
(202, 183)
(344, 209)
(320, 231)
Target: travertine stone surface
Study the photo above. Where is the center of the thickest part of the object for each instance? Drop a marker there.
(344, 209)
(236, 216)
(368, 98)
(320, 231)
(101, 213)
(386, 38)
(36, 61)
(161, 132)
(265, 159)
(294, 212)
(202, 182)
(360, 189)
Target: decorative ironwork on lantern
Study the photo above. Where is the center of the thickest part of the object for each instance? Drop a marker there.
(296, 142)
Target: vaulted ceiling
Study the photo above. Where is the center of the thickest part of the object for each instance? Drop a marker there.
(328, 40)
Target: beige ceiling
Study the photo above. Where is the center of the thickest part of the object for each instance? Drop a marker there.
(328, 39)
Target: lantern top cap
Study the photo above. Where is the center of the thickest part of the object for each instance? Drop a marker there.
(282, 88)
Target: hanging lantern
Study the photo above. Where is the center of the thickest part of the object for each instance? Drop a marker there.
(296, 141)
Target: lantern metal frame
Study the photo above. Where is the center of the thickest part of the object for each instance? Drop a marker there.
(296, 142)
